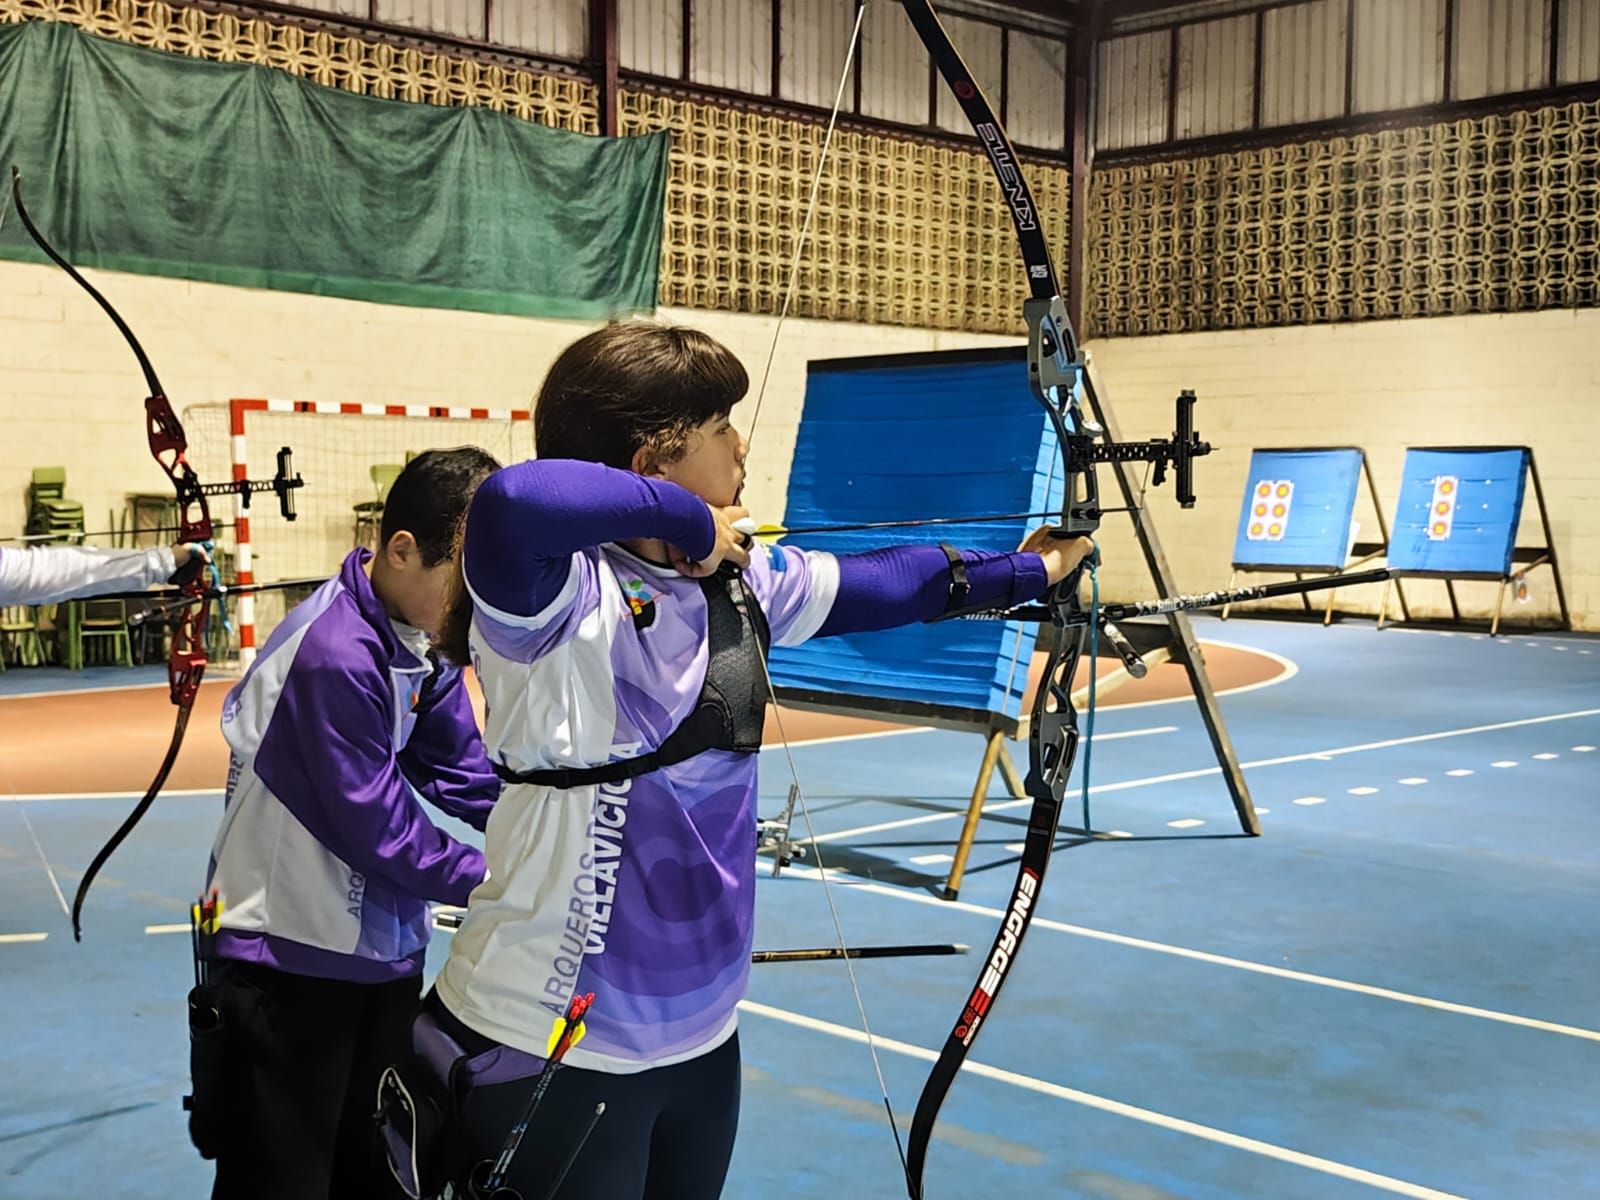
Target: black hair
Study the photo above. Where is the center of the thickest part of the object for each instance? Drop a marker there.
(429, 499)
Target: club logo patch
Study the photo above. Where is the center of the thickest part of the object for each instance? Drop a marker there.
(641, 602)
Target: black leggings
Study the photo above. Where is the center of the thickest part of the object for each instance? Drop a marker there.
(666, 1134)
(303, 1060)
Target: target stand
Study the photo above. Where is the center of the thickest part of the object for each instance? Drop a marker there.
(1298, 517)
(1457, 518)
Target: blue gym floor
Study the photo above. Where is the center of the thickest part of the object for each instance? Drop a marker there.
(1394, 991)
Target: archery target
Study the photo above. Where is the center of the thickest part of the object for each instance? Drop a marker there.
(1270, 502)
(1442, 507)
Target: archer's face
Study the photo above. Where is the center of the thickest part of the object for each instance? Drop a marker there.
(411, 592)
(713, 468)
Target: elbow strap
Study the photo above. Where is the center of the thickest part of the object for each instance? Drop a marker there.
(960, 585)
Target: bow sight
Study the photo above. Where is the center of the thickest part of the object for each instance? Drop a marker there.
(282, 484)
(1083, 450)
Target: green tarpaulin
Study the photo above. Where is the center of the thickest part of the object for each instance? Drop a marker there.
(143, 161)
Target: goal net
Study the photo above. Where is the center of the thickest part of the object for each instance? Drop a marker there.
(346, 453)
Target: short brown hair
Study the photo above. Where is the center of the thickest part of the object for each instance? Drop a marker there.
(633, 385)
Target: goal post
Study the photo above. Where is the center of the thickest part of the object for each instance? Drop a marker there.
(347, 454)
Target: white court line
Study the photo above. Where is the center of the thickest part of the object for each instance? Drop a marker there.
(167, 928)
(1221, 960)
(882, 733)
(7, 939)
(86, 691)
(1117, 1108)
(859, 737)
(1290, 670)
(211, 678)
(53, 797)
(1200, 772)
(1128, 733)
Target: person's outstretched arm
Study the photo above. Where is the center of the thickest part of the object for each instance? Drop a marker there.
(47, 574)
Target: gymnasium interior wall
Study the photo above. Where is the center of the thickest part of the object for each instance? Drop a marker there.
(1504, 379)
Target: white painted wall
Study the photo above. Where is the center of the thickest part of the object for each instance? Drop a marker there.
(70, 395)
(1518, 379)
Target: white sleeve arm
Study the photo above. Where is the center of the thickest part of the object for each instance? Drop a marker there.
(46, 574)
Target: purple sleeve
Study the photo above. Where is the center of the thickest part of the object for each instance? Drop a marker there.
(444, 758)
(901, 585)
(327, 756)
(528, 520)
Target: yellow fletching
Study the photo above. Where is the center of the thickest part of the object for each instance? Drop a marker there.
(207, 924)
(558, 1029)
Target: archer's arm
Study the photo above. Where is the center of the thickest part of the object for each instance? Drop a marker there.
(902, 585)
(810, 593)
(444, 758)
(47, 574)
(327, 755)
(529, 524)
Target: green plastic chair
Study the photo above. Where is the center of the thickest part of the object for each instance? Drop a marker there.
(369, 513)
(19, 634)
(88, 620)
(49, 511)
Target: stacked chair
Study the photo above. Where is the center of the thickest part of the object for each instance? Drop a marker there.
(50, 513)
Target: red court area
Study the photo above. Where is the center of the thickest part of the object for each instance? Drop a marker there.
(83, 742)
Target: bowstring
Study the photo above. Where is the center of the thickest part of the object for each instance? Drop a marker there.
(810, 214)
(833, 909)
(766, 670)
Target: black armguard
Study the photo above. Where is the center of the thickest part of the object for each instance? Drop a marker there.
(959, 585)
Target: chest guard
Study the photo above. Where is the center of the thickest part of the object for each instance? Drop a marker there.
(732, 706)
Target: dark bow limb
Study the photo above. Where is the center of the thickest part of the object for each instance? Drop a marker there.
(1053, 369)
(186, 661)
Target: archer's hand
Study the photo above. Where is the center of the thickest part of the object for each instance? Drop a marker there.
(184, 551)
(731, 545)
(1062, 555)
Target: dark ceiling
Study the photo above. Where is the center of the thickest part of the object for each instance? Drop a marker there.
(1077, 12)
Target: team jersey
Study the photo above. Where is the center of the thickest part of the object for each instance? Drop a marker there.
(325, 857)
(641, 891)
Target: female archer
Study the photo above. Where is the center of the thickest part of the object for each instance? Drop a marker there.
(619, 625)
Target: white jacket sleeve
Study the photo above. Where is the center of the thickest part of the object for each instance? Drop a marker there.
(46, 574)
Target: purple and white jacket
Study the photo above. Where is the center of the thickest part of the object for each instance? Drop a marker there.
(326, 858)
(642, 891)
